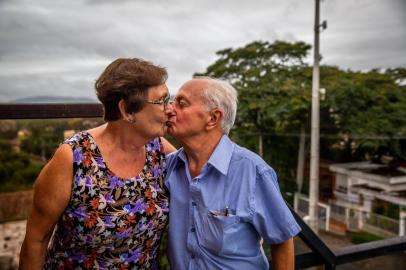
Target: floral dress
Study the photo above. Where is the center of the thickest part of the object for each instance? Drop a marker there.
(110, 222)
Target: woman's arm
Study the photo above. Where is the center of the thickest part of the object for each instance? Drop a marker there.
(168, 147)
(52, 191)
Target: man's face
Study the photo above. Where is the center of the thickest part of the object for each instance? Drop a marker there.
(189, 115)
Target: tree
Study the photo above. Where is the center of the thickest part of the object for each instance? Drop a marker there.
(366, 110)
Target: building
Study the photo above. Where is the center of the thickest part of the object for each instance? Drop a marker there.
(361, 187)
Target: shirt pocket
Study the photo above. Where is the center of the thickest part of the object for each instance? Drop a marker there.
(212, 229)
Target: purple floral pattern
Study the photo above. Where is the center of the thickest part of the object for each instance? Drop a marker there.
(110, 222)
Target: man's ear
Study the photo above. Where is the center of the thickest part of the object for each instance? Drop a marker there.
(214, 119)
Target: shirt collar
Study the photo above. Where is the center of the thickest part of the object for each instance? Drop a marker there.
(219, 159)
(182, 155)
(221, 156)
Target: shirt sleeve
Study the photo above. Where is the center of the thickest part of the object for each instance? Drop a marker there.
(271, 216)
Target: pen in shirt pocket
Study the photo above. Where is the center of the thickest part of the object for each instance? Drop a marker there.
(225, 213)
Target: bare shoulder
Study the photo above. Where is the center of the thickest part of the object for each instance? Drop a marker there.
(60, 164)
(96, 130)
(55, 180)
(63, 154)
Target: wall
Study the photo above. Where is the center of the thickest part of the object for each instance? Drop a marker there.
(15, 205)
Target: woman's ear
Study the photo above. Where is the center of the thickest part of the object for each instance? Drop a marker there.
(124, 115)
(214, 119)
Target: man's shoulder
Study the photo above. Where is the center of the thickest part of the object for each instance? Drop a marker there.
(244, 157)
(172, 158)
(241, 152)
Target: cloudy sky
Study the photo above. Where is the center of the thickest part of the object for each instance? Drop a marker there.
(58, 48)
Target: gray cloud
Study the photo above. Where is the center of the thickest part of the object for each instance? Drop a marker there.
(59, 47)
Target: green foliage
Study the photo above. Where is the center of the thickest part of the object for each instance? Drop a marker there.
(363, 237)
(46, 135)
(163, 259)
(17, 171)
(367, 110)
(44, 138)
(5, 145)
(386, 209)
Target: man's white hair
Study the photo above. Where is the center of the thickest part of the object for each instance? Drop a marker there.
(222, 95)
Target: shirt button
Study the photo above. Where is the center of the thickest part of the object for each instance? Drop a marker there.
(193, 230)
(192, 256)
(194, 204)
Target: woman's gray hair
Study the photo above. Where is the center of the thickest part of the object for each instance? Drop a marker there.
(222, 95)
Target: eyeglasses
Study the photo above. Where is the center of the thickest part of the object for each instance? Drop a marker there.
(163, 101)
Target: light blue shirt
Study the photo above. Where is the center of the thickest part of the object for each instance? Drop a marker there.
(217, 219)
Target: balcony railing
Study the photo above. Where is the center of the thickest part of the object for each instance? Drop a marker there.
(321, 254)
(49, 111)
(350, 198)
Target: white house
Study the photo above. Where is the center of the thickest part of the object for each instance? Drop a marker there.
(356, 187)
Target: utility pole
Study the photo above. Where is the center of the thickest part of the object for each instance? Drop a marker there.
(315, 127)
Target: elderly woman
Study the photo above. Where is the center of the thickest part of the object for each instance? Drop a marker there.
(101, 198)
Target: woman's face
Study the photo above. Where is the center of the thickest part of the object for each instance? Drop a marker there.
(151, 120)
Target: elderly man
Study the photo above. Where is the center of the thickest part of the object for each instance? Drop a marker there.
(224, 198)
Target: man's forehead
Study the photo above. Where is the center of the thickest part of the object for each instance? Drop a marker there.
(193, 87)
